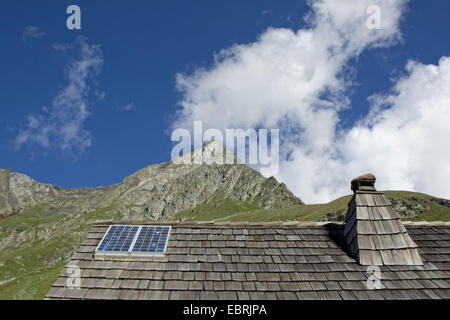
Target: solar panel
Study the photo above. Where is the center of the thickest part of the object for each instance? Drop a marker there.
(134, 240)
(118, 239)
(152, 239)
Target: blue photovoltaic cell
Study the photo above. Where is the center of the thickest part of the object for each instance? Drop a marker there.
(152, 239)
(118, 239)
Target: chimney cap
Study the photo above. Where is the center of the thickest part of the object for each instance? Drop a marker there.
(365, 182)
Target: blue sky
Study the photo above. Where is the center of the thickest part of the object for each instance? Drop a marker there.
(144, 45)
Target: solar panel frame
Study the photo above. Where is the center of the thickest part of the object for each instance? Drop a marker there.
(128, 250)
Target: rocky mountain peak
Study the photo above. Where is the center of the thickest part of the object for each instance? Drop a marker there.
(156, 191)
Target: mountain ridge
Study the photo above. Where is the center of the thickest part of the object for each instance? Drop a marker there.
(153, 192)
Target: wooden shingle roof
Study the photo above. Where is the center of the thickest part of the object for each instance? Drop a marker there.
(258, 261)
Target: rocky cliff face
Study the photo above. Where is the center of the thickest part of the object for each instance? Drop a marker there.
(18, 192)
(153, 192)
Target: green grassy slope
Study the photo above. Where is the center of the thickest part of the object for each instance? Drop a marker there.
(215, 209)
(436, 212)
(231, 210)
(38, 245)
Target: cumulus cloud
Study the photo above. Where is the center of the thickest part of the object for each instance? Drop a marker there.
(402, 141)
(32, 32)
(286, 73)
(405, 141)
(128, 107)
(61, 126)
(298, 80)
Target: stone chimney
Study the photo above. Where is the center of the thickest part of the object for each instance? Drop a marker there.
(373, 230)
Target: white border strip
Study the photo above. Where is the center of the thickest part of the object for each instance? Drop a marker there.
(135, 239)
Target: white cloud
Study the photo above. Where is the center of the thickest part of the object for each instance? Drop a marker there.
(402, 141)
(297, 81)
(32, 32)
(128, 107)
(284, 71)
(61, 125)
(407, 141)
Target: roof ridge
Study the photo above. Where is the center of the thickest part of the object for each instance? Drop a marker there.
(218, 223)
(261, 223)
